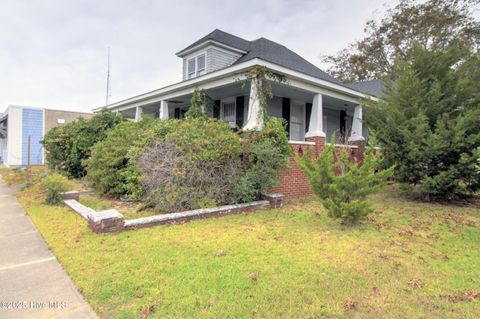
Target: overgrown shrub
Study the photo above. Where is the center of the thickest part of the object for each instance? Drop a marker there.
(54, 185)
(196, 165)
(344, 194)
(68, 145)
(112, 167)
(267, 152)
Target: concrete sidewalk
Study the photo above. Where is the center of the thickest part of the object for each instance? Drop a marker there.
(32, 282)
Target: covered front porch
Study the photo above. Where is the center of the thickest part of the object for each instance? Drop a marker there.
(308, 113)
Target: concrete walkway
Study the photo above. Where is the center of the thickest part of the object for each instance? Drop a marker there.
(32, 282)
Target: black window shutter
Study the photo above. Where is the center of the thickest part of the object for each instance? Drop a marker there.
(343, 114)
(177, 113)
(216, 109)
(286, 112)
(309, 115)
(239, 111)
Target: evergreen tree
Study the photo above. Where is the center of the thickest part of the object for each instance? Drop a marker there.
(342, 185)
(428, 122)
(199, 107)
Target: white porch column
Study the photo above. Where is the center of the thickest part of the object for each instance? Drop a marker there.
(163, 110)
(357, 127)
(255, 116)
(315, 128)
(138, 113)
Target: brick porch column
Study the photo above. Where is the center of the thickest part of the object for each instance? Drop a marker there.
(356, 138)
(315, 129)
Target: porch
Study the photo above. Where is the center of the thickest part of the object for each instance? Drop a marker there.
(308, 113)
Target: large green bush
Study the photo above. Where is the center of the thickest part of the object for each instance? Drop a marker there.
(266, 153)
(196, 165)
(68, 145)
(428, 122)
(341, 184)
(112, 167)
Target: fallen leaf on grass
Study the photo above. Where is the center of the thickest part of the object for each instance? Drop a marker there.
(219, 253)
(350, 304)
(79, 236)
(212, 302)
(147, 311)
(469, 295)
(416, 283)
(253, 276)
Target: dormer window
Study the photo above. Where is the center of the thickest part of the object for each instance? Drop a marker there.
(196, 66)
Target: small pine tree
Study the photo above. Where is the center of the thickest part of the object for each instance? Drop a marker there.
(344, 195)
(199, 107)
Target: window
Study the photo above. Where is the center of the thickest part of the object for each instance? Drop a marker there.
(228, 112)
(191, 68)
(200, 64)
(196, 66)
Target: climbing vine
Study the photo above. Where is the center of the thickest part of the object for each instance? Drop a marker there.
(264, 78)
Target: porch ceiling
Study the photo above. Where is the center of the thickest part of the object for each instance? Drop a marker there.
(218, 93)
(284, 90)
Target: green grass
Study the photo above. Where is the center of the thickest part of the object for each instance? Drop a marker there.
(408, 260)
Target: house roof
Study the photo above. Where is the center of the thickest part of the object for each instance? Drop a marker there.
(276, 53)
(266, 50)
(372, 87)
(222, 37)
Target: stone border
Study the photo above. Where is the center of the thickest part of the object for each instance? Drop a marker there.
(110, 221)
(194, 214)
(105, 221)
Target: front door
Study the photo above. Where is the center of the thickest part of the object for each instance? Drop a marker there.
(297, 121)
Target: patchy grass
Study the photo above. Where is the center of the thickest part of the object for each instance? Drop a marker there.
(129, 210)
(408, 260)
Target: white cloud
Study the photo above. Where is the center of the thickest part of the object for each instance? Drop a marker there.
(53, 53)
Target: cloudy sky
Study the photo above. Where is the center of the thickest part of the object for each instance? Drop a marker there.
(53, 53)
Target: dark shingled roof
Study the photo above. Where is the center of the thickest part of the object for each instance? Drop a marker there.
(266, 50)
(222, 37)
(273, 52)
(372, 87)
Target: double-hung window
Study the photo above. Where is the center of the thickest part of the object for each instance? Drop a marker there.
(228, 112)
(196, 66)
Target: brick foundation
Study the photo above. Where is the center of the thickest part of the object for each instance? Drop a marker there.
(292, 181)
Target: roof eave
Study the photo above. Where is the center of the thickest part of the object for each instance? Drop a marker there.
(205, 43)
(233, 70)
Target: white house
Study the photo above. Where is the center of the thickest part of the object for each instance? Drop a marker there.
(314, 103)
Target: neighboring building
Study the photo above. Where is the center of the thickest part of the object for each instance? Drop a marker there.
(22, 128)
(314, 104)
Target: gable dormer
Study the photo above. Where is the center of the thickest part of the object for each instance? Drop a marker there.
(215, 51)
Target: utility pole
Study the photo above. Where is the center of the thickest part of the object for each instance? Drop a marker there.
(108, 77)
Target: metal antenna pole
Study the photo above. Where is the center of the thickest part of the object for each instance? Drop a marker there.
(108, 77)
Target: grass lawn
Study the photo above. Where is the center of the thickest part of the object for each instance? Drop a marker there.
(408, 260)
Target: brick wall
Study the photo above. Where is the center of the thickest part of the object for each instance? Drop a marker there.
(292, 181)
